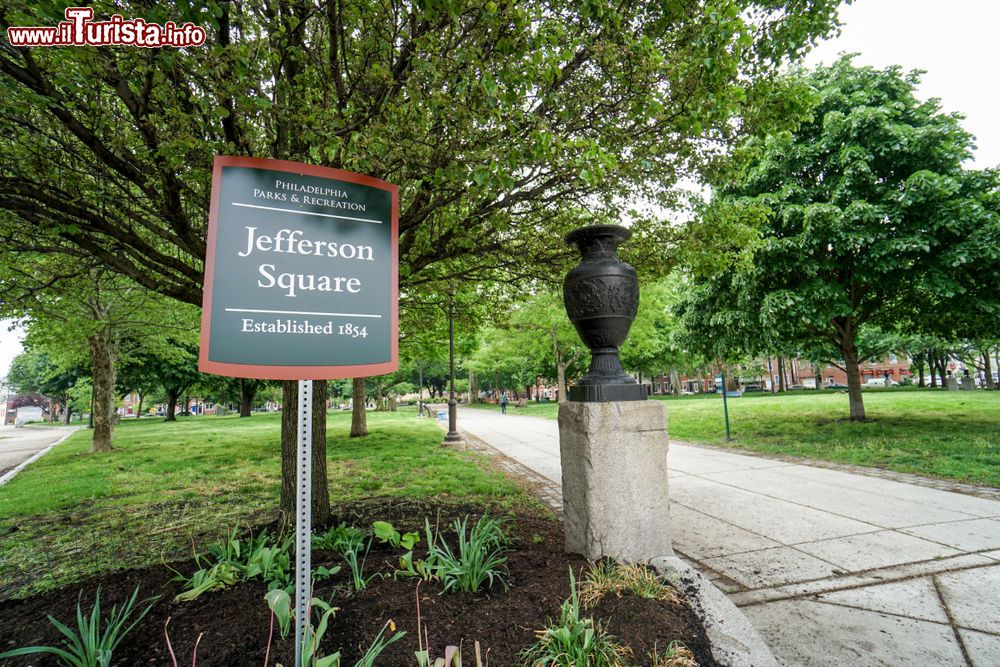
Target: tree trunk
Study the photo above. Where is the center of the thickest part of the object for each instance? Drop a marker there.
(359, 419)
(138, 412)
(473, 388)
(379, 396)
(920, 370)
(561, 382)
(172, 396)
(289, 444)
(248, 392)
(941, 362)
(988, 370)
(781, 374)
(675, 382)
(69, 413)
(851, 366)
(933, 370)
(102, 358)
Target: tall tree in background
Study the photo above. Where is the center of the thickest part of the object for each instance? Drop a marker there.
(868, 219)
(33, 371)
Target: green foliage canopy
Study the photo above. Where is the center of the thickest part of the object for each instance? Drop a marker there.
(496, 119)
(870, 220)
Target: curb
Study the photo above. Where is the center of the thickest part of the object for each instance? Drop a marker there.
(735, 643)
(10, 474)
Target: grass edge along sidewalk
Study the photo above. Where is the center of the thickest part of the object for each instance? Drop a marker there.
(948, 435)
(171, 485)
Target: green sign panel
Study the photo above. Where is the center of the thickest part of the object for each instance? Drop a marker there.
(301, 273)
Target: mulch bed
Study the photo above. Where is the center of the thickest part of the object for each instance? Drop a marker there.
(234, 623)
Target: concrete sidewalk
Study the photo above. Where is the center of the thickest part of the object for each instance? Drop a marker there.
(17, 445)
(831, 566)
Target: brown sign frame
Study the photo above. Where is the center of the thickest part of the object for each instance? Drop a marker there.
(276, 372)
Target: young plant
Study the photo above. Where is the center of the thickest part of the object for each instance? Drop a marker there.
(607, 577)
(312, 639)
(88, 645)
(280, 604)
(676, 655)
(259, 557)
(424, 569)
(385, 532)
(218, 576)
(479, 559)
(348, 542)
(194, 652)
(452, 654)
(574, 641)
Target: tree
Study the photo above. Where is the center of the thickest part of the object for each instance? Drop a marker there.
(78, 311)
(862, 212)
(359, 418)
(107, 152)
(34, 371)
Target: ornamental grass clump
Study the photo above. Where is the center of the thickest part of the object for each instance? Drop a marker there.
(676, 655)
(89, 645)
(573, 641)
(607, 577)
(479, 560)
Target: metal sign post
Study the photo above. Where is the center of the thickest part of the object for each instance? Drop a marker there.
(725, 404)
(303, 518)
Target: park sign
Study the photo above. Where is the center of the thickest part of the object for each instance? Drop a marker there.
(301, 272)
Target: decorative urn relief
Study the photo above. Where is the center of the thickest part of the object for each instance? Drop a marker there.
(602, 298)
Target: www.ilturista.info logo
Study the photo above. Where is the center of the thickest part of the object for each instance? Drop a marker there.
(79, 30)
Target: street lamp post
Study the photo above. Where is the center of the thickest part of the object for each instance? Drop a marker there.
(452, 435)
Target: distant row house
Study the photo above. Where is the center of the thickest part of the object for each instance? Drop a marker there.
(802, 374)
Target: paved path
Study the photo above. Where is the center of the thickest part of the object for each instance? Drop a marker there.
(20, 444)
(832, 567)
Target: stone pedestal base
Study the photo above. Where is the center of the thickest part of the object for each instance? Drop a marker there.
(951, 383)
(968, 384)
(614, 479)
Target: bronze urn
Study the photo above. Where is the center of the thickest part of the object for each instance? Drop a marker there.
(602, 298)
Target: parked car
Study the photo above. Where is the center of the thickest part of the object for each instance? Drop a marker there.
(752, 387)
(836, 385)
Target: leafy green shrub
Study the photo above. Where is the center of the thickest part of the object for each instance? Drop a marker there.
(479, 558)
(573, 641)
(89, 646)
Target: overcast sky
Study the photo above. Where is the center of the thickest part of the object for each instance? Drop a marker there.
(954, 41)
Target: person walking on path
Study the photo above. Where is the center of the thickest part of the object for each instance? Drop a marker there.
(503, 403)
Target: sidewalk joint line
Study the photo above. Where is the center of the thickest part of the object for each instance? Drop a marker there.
(951, 621)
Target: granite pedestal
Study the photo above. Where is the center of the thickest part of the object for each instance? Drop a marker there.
(614, 479)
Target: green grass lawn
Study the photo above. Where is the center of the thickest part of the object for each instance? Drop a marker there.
(170, 485)
(954, 435)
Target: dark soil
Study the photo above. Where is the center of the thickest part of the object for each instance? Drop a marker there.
(234, 623)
